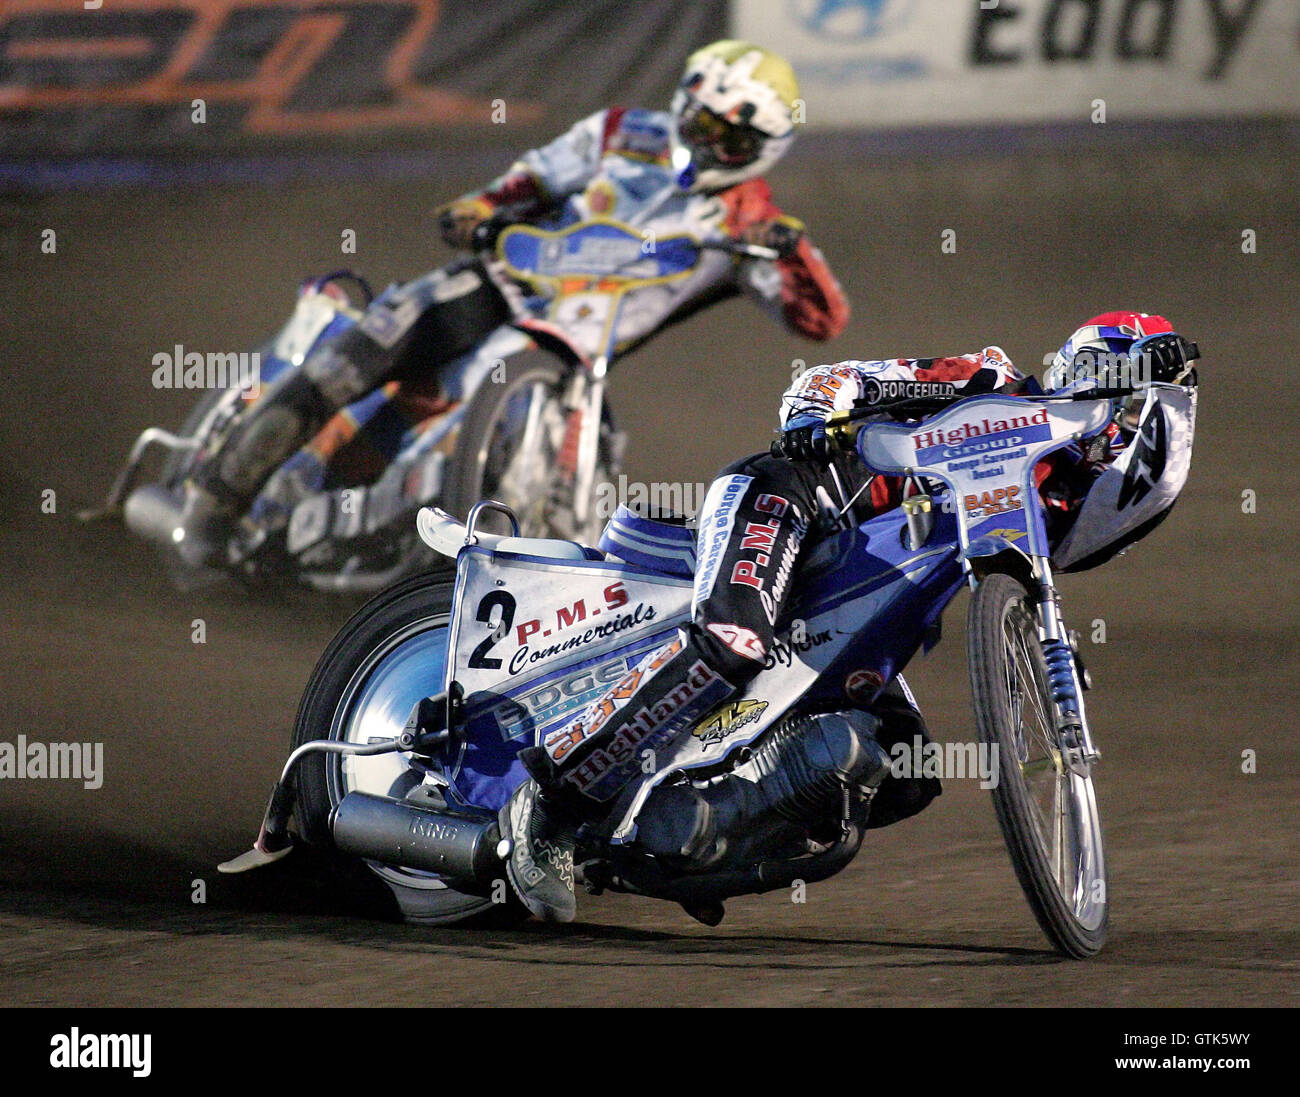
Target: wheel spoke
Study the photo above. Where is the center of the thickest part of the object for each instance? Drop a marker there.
(1046, 778)
(1046, 811)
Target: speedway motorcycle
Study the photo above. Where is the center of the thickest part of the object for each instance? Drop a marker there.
(539, 437)
(405, 740)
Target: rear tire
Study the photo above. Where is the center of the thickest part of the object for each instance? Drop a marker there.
(1047, 813)
(387, 657)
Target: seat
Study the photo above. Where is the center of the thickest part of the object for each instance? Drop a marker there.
(667, 547)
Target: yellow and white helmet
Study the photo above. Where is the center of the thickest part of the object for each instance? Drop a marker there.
(733, 114)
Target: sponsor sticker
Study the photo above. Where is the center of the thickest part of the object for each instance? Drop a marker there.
(784, 650)
(730, 718)
(876, 391)
(604, 770)
(741, 640)
(572, 626)
(982, 436)
(716, 522)
(993, 501)
(863, 685)
(539, 706)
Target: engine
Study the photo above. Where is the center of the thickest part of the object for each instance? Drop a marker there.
(791, 788)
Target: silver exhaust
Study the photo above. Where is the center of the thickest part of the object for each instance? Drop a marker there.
(398, 832)
(152, 512)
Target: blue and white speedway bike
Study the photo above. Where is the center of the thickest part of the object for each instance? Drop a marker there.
(407, 734)
(519, 414)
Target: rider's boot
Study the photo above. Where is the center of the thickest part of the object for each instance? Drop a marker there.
(207, 522)
(542, 830)
(225, 481)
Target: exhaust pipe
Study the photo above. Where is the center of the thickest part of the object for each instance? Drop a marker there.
(398, 832)
(153, 513)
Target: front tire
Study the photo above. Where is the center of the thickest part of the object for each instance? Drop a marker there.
(509, 450)
(385, 659)
(1047, 813)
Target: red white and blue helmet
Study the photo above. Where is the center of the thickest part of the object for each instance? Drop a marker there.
(1111, 333)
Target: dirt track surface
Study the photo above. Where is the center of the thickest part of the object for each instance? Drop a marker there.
(1199, 664)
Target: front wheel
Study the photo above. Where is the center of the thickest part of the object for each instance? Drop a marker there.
(1047, 812)
(512, 448)
(387, 657)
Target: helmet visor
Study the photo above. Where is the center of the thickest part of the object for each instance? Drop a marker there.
(717, 142)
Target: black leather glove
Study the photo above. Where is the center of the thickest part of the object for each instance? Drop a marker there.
(804, 444)
(457, 221)
(1163, 357)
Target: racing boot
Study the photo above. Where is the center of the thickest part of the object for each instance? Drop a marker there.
(226, 481)
(542, 829)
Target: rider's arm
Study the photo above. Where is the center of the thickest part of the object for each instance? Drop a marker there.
(1109, 495)
(542, 178)
(805, 294)
(821, 390)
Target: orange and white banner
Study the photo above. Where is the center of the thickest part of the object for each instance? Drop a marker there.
(102, 76)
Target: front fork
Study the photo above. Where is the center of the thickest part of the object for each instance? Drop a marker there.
(1065, 675)
(581, 448)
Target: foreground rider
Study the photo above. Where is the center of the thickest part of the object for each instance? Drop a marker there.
(1100, 499)
(695, 169)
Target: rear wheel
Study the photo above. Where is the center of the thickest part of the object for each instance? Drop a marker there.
(1047, 812)
(384, 660)
(510, 450)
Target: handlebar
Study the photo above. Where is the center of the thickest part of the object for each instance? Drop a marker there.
(739, 247)
(842, 426)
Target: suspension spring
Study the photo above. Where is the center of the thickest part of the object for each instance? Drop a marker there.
(1060, 675)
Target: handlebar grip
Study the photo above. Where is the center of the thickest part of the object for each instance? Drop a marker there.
(484, 236)
(814, 448)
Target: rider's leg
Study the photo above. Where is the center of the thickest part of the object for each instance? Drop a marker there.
(413, 329)
(754, 523)
(292, 409)
(901, 722)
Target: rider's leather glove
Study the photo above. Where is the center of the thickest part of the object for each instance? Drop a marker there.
(457, 220)
(781, 234)
(805, 443)
(1164, 357)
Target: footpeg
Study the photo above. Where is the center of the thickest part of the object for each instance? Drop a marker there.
(274, 840)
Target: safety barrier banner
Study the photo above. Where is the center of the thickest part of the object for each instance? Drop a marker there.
(82, 77)
(886, 63)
